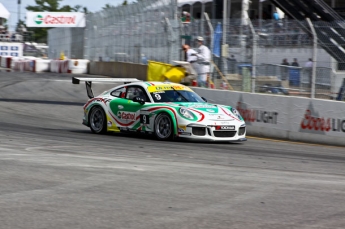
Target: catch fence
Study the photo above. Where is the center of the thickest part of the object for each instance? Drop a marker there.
(137, 32)
(250, 53)
(252, 58)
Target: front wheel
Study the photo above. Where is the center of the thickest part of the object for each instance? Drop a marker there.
(163, 127)
(98, 120)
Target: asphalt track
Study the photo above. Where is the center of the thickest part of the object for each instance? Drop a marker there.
(55, 174)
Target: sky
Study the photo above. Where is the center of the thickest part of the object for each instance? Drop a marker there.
(12, 7)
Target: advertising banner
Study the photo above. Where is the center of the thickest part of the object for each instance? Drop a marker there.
(293, 118)
(11, 49)
(55, 19)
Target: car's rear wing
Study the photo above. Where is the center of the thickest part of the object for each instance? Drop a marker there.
(88, 82)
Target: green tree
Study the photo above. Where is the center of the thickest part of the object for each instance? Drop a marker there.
(40, 34)
(125, 3)
(107, 6)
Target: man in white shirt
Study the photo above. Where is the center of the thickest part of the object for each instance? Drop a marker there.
(203, 59)
(190, 56)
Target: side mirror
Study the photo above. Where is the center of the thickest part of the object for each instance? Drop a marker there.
(139, 99)
(204, 99)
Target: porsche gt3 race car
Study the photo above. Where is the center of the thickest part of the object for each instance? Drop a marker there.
(166, 110)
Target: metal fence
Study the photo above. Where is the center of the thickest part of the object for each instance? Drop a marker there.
(131, 33)
(251, 61)
(256, 65)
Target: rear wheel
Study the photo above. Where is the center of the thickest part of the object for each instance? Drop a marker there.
(163, 127)
(98, 120)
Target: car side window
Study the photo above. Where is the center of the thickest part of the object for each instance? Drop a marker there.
(135, 91)
(120, 92)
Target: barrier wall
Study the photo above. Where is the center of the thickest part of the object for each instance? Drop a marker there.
(78, 66)
(292, 118)
(5, 61)
(118, 69)
(59, 66)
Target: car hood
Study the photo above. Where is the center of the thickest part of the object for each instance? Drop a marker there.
(211, 111)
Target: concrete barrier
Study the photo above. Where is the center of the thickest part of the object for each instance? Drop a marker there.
(42, 65)
(118, 69)
(291, 118)
(6, 61)
(78, 66)
(59, 66)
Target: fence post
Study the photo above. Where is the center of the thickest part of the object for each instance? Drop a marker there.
(253, 55)
(314, 59)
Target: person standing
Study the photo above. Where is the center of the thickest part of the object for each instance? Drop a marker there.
(203, 59)
(190, 56)
(295, 63)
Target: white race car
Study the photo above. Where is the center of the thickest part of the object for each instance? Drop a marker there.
(167, 110)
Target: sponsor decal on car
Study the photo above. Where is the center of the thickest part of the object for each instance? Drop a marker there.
(182, 128)
(166, 87)
(227, 127)
(110, 123)
(126, 115)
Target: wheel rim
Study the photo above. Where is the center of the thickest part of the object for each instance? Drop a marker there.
(163, 126)
(97, 120)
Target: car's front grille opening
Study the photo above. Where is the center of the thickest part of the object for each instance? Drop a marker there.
(209, 131)
(241, 131)
(200, 131)
(224, 134)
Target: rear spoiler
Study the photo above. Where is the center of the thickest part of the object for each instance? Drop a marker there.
(88, 82)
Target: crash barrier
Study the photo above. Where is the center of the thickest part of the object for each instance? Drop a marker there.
(6, 61)
(31, 64)
(118, 69)
(59, 66)
(76, 66)
(291, 118)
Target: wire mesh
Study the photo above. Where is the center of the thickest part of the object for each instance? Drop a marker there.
(275, 41)
(131, 33)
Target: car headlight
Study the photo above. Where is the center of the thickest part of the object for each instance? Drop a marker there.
(186, 113)
(235, 112)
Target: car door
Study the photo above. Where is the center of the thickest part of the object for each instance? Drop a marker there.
(128, 112)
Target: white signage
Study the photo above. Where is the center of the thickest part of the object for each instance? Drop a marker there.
(286, 117)
(11, 49)
(55, 19)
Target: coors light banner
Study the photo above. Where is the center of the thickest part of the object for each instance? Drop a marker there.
(55, 19)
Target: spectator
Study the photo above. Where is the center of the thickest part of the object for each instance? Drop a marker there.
(295, 63)
(309, 63)
(204, 58)
(190, 56)
(276, 16)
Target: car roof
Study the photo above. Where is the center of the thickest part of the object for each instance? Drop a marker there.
(146, 84)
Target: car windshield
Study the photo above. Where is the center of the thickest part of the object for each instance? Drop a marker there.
(176, 96)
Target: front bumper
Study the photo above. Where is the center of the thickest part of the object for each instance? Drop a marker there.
(210, 133)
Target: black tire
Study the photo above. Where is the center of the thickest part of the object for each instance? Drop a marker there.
(98, 120)
(163, 127)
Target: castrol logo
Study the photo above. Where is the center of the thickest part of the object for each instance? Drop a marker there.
(53, 19)
(126, 115)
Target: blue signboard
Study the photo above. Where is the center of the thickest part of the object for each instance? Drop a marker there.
(14, 54)
(14, 48)
(4, 47)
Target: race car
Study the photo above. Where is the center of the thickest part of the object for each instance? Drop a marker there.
(166, 110)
